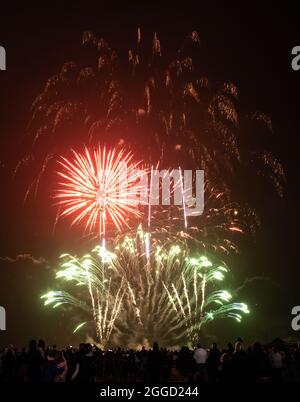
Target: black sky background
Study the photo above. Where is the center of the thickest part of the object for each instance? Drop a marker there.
(247, 44)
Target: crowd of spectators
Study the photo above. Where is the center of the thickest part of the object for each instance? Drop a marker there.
(88, 363)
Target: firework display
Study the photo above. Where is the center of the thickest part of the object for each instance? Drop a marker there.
(166, 294)
(160, 281)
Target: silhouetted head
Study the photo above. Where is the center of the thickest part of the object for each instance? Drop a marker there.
(42, 344)
(238, 346)
(256, 346)
(59, 356)
(88, 348)
(185, 350)
(32, 345)
(51, 353)
(155, 346)
(225, 358)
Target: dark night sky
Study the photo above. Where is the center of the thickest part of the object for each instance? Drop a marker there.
(248, 45)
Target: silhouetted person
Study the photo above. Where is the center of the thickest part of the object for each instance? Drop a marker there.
(155, 364)
(9, 362)
(35, 362)
(297, 358)
(131, 366)
(144, 363)
(200, 357)
(167, 364)
(98, 354)
(230, 349)
(42, 347)
(85, 370)
(225, 368)
(50, 367)
(185, 363)
(213, 362)
(22, 365)
(240, 363)
(276, 359)
(258, 362)
(61, 363)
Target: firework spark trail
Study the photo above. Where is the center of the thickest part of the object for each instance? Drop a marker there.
(23, 162)
(150, 197)
(186, 294)
(48, 158)
(147, 245)
(203, 285)
(167, 313)
(35, 183)
(106, 303)
(116, 309)
(90, 290)
(178, 300)
(99, 321)
(170, 297)
(195, 288)
(183, 199)
(137, 310)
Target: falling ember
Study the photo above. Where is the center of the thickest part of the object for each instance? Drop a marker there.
(99, 187)
(235, 229)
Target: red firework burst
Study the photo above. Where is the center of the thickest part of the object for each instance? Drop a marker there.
(99, 187)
